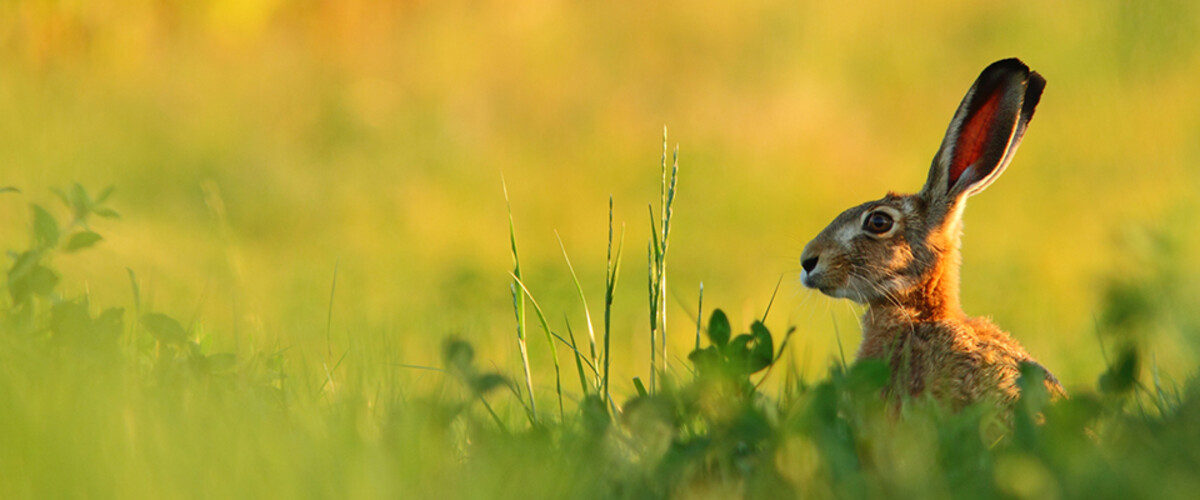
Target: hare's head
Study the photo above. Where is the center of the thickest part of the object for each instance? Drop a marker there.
(904, 247)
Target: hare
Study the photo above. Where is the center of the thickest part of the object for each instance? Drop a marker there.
(899, 255)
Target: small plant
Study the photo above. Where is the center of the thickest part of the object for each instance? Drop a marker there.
(38, 311)
(31, 279)
(737, 358)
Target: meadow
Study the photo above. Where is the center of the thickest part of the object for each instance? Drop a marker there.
(299, 282)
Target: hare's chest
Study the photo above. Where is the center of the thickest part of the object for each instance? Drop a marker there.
(928, 357)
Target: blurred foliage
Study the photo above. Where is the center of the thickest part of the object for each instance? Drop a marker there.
(147, 409)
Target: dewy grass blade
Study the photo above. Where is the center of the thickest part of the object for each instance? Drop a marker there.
(519, 303)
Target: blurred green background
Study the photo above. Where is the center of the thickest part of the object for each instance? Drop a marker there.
(258, 145)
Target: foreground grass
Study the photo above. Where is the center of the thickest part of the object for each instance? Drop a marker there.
(130, 403)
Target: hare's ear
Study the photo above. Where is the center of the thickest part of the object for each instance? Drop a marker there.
(985, 130)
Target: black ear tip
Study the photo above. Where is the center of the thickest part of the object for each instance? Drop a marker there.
(1010, 65)
(1035, 86)
(1033, 94)
(1036, 81)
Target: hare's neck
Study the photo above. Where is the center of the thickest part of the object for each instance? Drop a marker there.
(935, 299)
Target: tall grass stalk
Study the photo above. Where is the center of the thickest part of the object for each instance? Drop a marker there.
(583, 381)
(519, 304)
(537, 309)
(699, 315)
(329, 314)
(658, 263)
(611, 271)
(772, 300)
(652, 292)
(580, 359)
(587, 315)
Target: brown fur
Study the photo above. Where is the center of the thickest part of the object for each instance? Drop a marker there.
(908, 277)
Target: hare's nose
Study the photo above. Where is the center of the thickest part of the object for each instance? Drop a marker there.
(809, 264)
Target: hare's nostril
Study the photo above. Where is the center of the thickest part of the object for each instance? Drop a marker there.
(809, 264)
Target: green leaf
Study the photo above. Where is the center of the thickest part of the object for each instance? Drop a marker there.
(1122, 375)
(458, 356)
(41, 280)
(164, 328)
(24, 263)
(706, 360)
(45, 228)
(868, 376)
(111, 322)
(640, 387)
(718, 328)
(486, 382)
(9, 189)
(763, 351)
(738, 347)
(137, 290)
(62, 195)
(104, 194)
(107, 213)
(70, 319)
(80, 202)
(737, 352)
(81, 240)
(27, 278)
(220, 362)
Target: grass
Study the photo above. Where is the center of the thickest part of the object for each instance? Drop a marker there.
(109, 404)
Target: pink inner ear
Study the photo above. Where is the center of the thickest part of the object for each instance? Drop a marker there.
(973, 138)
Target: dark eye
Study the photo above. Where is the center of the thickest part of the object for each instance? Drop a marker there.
(878, 222)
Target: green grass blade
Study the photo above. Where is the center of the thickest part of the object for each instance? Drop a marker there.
(583, 383)
(537, 309)
(583, 301)
(668, 208)
(608, 300)
(568, 344)
(772, 301)
(329, 316)
(699, 315)
(612, 272)
(519, 303)
(652, 290)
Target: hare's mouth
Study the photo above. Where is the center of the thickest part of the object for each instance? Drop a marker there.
(813, 280)
(819, 281)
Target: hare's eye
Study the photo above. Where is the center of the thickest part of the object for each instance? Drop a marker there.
(878, 222)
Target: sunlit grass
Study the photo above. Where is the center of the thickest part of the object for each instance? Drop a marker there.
(142, 404)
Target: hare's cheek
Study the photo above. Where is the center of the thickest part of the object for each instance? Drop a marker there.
(900, 258)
